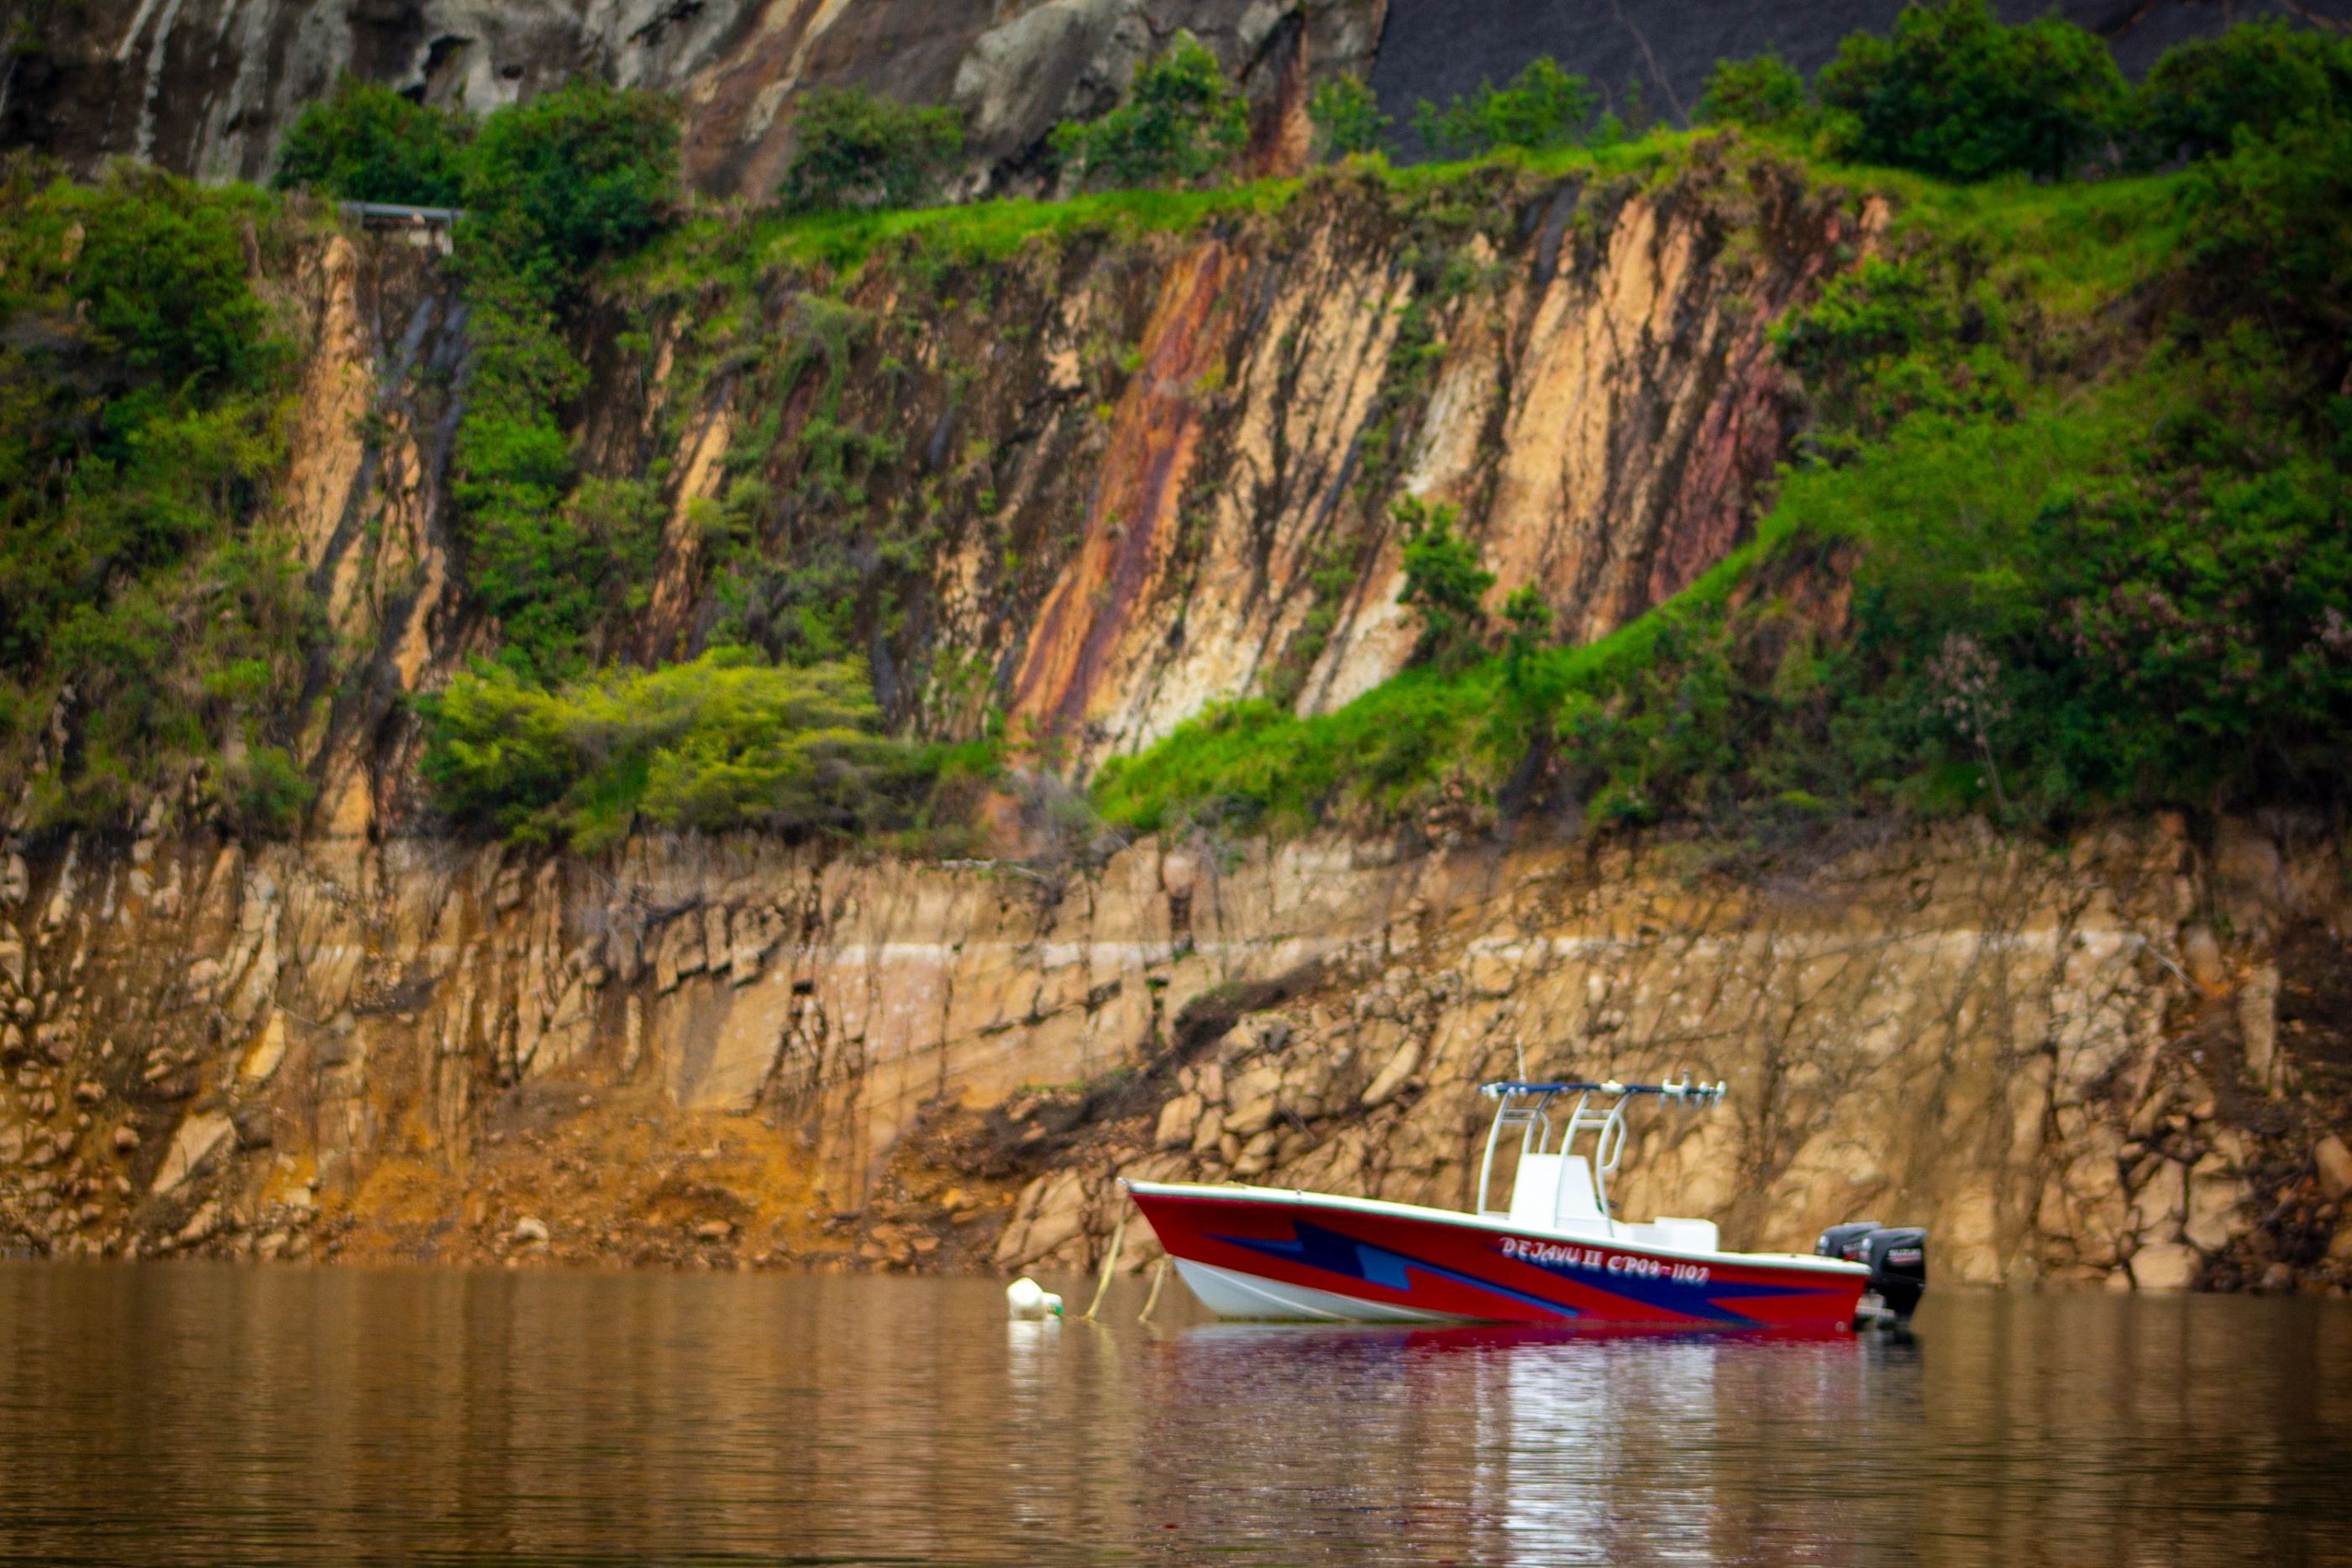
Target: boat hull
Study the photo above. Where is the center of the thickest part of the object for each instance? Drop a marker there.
(1256, 1252)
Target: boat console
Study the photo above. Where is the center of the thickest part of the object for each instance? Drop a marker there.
(1555, 1187)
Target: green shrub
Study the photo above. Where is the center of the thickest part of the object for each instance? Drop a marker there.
(721, 742)
(141, 431)
(554, 183)
(266, 792)
(1181, 122)
(1762, 92)
(2272, 227)
(1444, 585)
(1879, 309)
(1955, 92)
(367, 143)
(552, 187)
(2259, 78)
(1529, 619)
(1544, 107)
(1252, 765)
(161, 281)
(857, 149)
(1347, 119)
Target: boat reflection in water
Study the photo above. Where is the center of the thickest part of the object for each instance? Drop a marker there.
(1582, 1446)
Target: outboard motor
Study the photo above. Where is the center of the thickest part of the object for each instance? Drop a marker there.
(1896, 1256)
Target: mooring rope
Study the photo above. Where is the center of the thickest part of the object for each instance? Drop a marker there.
(1111, 1265)
(1159, 1277)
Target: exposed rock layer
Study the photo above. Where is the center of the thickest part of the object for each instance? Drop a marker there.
(729, 1050)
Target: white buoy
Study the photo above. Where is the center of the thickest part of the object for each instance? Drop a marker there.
(1024, 1297)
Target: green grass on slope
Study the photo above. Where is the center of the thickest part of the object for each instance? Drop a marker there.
(1254, 764)
(2087, 483)
(977, 233)
(994, 231)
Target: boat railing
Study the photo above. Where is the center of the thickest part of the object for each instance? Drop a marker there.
(1599, 1110)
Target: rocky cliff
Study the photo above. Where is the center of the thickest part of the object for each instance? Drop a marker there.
(207, 86)
(2117, 1060)
(1122, 471)
(1089, 477)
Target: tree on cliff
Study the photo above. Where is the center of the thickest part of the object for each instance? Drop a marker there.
(367, 143)
(554, 186)
(1955, 92)
(1444, 585)
(1347, 117)
(1765, 90)
(857, 149)
(1181, 121)
(1543, 108)
(2261, 79)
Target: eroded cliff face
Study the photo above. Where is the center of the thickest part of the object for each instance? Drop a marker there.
(1105, 481)
(2121, 1061)
(1150, 470)
(1141, 472)
(207, 87)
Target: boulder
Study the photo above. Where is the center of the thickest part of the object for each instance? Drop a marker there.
(261, 1062)
(2214, 1195)
(1178, 1120)
(2164, 1266)
(2258, 1025)
(1401, 1067)
(2200, 955)
(1049, 1219)
(529, 1231)
(201, 1138)
(1209, 1132)
(202, 1225)
(2162, 1200)
(2334, 1162)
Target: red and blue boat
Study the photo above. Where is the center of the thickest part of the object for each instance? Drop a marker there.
(1556, 1256)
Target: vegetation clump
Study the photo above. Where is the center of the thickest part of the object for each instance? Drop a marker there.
(1347, 117)
(1181, 122)
(365, 143)
(856, 149)
(724, 740)
(1444, 585)
(1762, 92)
(153, 629)
(1543, 108)
(1955, 92)
(552, 187)
(2259, 79)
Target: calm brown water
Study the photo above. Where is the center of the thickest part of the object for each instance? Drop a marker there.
(191, 1413)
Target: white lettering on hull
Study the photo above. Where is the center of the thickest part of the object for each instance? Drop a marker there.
(1601, 1260)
